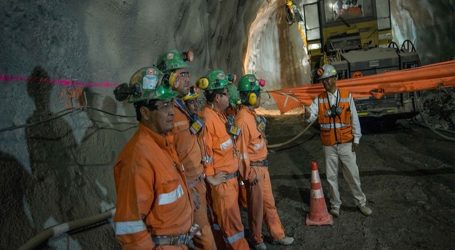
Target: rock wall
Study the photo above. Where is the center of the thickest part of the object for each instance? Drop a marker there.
(61, 169)
(428, 24)
(59, 166)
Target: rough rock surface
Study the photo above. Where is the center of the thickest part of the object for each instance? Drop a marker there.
(61, 170)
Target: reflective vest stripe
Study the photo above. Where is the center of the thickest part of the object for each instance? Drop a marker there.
(330, 125)
(235, 237)
(243, 156)
(315, 176)
(129, 227)
(348, 100)
(324, 100)
(180, 123)
(226, 144)
(258, 146)
(170, 197)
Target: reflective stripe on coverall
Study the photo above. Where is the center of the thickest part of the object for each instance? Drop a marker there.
(261, 204)
(189, 153)
(152, 196)
(220, 156)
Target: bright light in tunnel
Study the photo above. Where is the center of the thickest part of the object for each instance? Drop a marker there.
(314, 46)
(276, 48)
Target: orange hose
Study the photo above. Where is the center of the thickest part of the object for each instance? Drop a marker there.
(417, 79)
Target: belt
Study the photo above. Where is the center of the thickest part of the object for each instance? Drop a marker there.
(232, 175)
(183, 239)
(264, 163)
(194, 182)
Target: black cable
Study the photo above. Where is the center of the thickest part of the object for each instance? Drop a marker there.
(109, 113)
(63, 113)
(35, 123)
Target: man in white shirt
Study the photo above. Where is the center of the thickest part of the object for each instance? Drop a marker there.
(340, 136)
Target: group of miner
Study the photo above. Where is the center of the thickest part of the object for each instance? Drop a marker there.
(183, 176)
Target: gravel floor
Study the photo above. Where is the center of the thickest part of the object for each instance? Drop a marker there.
(407, 174)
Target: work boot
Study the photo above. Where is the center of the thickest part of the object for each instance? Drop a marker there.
(365, 210)
(260, 246)
(286, 241)
(335, 211)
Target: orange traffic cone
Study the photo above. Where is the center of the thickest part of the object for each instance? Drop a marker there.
(318, 210)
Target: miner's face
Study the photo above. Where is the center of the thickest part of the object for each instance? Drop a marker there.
(330, 84)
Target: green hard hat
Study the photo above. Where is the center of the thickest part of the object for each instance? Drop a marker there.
(217, 80)
(249, 83)
(145, 84)
(234, 97)
(171, 60)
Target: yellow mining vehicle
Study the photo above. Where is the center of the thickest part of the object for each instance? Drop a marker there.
(356, 38)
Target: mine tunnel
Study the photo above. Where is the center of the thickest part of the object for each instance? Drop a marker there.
(64, 130)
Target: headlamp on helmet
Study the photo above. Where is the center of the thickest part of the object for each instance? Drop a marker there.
(145, 84)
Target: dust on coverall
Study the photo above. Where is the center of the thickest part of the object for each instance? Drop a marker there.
(340, 152)
(220, 156)
(261, 204)
(189, 153)
(152, 196)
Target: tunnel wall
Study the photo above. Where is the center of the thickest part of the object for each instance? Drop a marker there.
(61, 169)
(275, 50)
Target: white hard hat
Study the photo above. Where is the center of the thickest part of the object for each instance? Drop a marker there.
(327, 71)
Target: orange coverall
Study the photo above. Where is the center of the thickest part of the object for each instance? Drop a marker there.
(152, 196)
(220, 156)
(261, 204)
(189, 153)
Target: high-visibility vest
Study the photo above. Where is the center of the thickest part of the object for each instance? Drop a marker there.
(338, 129)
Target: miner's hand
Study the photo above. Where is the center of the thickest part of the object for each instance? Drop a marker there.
(217, 179)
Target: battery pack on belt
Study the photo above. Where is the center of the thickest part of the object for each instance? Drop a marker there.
(196, 125)
(182, 239)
